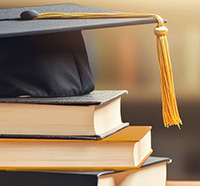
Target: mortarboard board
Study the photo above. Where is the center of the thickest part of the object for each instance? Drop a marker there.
(42, 53)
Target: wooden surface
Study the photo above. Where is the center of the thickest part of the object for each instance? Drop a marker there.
(183, 183)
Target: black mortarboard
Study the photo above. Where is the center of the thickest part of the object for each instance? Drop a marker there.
(42, 52)
(47, 58)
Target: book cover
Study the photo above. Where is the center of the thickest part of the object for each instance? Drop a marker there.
(65, 178)
(95, 97)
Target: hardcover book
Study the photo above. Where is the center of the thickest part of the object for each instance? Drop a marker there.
(152, 173)
(91, 116)
(126, 149)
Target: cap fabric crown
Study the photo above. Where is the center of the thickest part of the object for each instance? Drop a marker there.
(47, 58)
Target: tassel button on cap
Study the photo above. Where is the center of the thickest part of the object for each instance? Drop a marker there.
(29, 15)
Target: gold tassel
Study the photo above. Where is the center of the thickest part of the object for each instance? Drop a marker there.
(169, 105)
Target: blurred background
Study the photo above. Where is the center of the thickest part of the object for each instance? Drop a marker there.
(126, 58)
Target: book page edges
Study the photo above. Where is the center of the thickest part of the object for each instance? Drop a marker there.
(74, 168)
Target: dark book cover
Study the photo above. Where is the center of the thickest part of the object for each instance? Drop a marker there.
(22, 28)
(61, 178)
(95, 97)
(66, 137)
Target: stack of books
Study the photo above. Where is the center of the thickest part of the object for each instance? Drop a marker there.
(75, 141)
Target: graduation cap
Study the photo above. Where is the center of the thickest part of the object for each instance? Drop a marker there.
(42, 52)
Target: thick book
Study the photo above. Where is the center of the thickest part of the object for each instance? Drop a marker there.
(91, 116)
(152, 173)
(126, 149)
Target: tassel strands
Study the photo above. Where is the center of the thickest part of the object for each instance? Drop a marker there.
(169, 106)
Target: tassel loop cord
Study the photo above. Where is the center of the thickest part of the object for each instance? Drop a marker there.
(98, 15)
